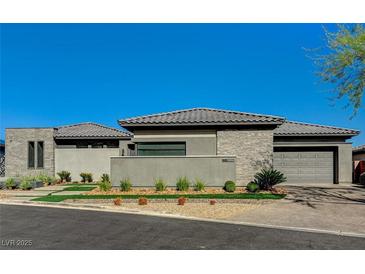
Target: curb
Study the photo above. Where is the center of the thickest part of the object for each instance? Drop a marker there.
(174, 216)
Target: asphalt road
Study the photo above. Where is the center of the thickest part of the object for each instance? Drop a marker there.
(26, 227)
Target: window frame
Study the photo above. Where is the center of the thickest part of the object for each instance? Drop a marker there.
(29, 154)
(38, 165)
(138, 149)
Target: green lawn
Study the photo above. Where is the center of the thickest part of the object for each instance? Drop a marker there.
(81, 185)
(79, 188)
(60, 198)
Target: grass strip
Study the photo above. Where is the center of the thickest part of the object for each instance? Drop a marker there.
(256, 196)
(81, 185)
(79, 188)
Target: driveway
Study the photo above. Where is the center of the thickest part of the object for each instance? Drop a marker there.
(55, 228)
(337, 208)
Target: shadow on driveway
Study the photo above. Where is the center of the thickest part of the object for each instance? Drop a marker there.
(309, 196)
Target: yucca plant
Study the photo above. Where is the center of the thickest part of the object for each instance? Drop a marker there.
(64, 175)
(105, 177)
(267, 178)
(86, 177)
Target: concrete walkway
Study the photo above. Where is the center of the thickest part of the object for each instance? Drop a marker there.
(339, 209)
(39, 192)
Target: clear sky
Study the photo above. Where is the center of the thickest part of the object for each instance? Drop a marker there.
(57, 74)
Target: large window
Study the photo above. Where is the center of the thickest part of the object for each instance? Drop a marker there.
(31, 155)
(40, 154)
(35, 154)
(161, 149)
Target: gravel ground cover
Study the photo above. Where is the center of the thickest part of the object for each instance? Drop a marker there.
(170, 190)
(223, 209)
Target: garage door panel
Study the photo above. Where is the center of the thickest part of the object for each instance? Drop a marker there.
(306, 166)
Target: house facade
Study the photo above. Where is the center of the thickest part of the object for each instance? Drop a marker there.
(209, 144)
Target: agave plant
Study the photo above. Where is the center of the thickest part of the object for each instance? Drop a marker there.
(267, 178)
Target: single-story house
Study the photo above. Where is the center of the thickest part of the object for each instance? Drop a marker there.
(358, 157)
(210, 144)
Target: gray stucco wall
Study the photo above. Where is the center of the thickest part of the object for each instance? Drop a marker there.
(16, 154)
(345, 163)
(77, 160)
(253, 149)
(213, 170)
(198, 142)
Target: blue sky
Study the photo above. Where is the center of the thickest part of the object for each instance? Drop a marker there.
(57, 74)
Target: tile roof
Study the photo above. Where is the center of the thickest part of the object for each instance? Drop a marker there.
(89, 130)
(201, 116)
(359, 149)
(290, 128)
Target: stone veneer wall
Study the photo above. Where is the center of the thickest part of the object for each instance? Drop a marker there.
(253, 149)
(16, 153)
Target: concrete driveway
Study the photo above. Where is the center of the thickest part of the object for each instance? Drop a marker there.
(337, 208)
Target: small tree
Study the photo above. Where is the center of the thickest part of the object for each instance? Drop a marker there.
(343, 63)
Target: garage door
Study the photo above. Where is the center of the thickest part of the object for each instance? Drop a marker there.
(306, 167)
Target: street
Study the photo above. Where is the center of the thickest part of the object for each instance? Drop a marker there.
(31, 227)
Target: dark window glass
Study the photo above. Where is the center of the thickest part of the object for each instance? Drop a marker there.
(31, 156)
(161, 149)
(97, 145)
(81, 145)
(40, 154)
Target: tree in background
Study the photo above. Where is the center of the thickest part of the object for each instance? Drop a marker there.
(343, 63)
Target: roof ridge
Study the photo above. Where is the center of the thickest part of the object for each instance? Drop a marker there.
(243, 112)
(322, 126)
(96, 124)
(158, 114)
(201, 108)
(73, 125)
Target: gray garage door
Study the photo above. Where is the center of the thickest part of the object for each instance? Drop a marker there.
(305, 167)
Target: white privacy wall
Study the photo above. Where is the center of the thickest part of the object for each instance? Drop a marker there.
(77, 160)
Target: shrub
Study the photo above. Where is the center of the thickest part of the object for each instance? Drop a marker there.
(212, 202)
(117, 201)
(230, 186)
(199, 185)
(83, 176)
(64, 175)
(252, 187)
(105, 185)
(45, 179)
(142, 201)
(160, 185)
(10, 183)
(182, 184)
(181, 201)
(86, 177)
(105, 178)
(26, 184)
(267, 178)
(125, 184)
